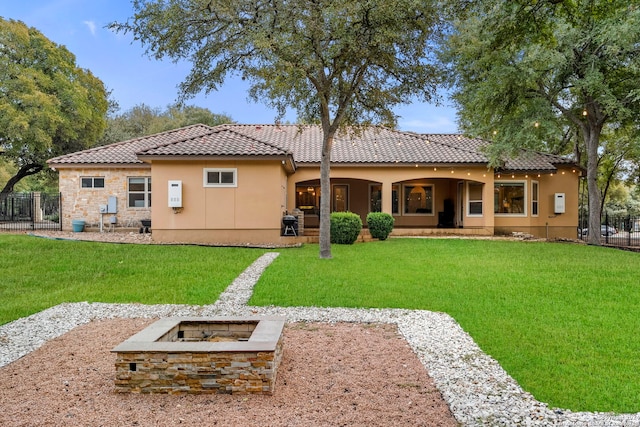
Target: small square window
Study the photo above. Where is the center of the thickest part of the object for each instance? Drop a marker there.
(220, 177)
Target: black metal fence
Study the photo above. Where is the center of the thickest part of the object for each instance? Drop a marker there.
(616, 230)
(30, 211)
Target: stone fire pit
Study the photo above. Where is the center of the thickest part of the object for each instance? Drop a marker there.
(230, 355)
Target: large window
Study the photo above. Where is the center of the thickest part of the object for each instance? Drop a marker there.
(474, 198)
(92, 182)
(220, 177)
(509, 198)
(139, 192)
(418, 199)
(534, 198)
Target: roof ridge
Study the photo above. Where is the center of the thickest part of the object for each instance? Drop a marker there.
(216, 130)
(269, 144)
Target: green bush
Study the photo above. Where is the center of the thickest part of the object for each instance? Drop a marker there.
(345, 227)
(380, 224)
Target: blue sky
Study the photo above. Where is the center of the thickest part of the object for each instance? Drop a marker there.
(135, 79)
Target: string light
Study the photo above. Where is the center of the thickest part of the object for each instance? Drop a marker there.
(584, 113)
(536, 124)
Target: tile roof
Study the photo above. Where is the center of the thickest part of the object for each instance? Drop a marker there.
(124, 153)
(374, 145)
(221, 141)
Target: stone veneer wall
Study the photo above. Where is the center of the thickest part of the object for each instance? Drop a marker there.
(198, 373)
(83, 203)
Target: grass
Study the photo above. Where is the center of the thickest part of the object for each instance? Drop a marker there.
(39, 273)
(562, 319)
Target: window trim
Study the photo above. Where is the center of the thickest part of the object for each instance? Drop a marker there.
(469, 200)
(535, 198)
(93, 182)
(524, 203)
(146, 192)
(207, 184)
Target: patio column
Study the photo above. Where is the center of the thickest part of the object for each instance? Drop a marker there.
(387, 196)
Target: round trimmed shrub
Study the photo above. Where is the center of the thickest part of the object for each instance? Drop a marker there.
(345, 227)
(380, 224)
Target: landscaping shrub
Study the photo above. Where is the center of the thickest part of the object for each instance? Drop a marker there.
(380, 224)
(345, 227)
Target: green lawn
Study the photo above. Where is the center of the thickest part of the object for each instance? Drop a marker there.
(38, 273)
(562, 319)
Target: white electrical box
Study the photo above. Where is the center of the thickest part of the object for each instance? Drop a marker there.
(558, 203)
(175, 194)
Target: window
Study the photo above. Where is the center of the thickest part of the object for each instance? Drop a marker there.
(139, 194)
(534, 198)
(220, 177)
(92, 182)
(375, 198)
(474, 198)
(509, 198)
(395, 199)
(418, 199)
(340, 199)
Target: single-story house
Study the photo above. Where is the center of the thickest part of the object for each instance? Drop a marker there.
(232, 184)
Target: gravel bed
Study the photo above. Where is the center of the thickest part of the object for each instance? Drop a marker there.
(478, 391)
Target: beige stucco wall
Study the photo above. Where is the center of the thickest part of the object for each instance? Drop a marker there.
(445, 182)
(252, 211)
(83, 203)
(249, 213)
(547, 224)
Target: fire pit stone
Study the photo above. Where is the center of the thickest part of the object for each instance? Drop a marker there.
(195, 355)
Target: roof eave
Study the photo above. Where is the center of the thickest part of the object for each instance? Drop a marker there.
(103, 165)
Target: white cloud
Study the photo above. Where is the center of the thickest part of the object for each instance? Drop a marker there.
(91, 25)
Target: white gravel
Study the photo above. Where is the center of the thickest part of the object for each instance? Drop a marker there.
(478, 391)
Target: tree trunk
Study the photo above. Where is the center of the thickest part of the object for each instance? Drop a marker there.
(592, 141)
(24, 171)
(325, 195)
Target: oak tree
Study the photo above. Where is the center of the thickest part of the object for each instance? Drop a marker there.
(528, 72)
(48, 105)
(336, 62)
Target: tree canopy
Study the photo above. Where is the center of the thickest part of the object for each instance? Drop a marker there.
(337, 62)
(142, 120)
(531, 73)
(48, 105)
